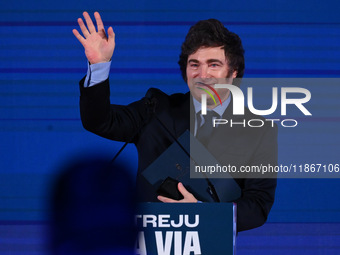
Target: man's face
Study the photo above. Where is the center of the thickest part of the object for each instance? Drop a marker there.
(205, 68)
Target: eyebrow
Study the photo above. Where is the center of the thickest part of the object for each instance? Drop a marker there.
(209, 61)
(193, 61)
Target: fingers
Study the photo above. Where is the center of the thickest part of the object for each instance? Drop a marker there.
(166, 199)
(79, 37)
(91, 28)
(183, 190)
(112, 35)
(100, 25)
(89, 22)
(83, 28)
(188, 197)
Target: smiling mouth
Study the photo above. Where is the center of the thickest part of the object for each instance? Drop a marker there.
(204, 84)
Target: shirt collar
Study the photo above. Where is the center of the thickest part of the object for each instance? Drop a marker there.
(220, 109)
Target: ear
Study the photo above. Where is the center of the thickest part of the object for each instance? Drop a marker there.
(234, 74)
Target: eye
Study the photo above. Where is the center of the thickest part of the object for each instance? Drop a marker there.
(193, 65)
(214, 65)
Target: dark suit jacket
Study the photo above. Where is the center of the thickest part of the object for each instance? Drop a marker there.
(136, 123)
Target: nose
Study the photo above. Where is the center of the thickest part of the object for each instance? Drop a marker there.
(204, 72)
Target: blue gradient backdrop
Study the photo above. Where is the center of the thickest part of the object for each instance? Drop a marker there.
(41, 63)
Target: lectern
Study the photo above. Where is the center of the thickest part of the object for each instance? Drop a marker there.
(186, 228)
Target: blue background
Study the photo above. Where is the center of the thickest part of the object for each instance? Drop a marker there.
(42, 62)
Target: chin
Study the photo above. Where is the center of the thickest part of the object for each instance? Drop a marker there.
(211, 103)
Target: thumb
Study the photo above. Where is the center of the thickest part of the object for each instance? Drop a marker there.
(183, 190)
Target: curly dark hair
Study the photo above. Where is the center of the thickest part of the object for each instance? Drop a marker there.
(212, 33)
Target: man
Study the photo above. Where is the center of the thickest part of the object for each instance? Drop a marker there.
(210, 54)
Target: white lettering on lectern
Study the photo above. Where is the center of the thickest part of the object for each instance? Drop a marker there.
(191, 243)
(140, 244)
(169, 242)
(164, 221)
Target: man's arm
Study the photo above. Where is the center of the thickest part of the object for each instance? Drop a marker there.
(258, 190)
(97, 114)
(98, 48)
(115, 122)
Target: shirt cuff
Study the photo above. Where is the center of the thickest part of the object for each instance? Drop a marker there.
(97, 73)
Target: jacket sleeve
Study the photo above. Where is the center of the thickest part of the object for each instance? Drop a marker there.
(258, 191)
(115, 122)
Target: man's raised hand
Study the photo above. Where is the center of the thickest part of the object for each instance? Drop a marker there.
(98, 46)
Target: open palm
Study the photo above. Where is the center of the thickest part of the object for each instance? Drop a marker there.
(98, 46)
